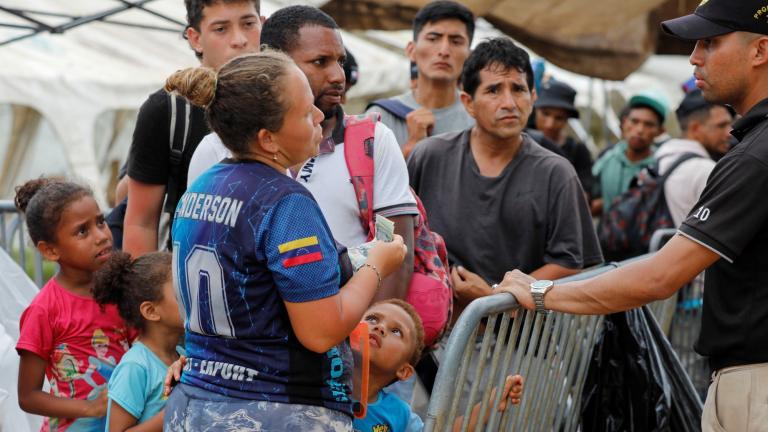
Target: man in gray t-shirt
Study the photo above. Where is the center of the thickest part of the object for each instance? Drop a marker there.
(451, 118)
(499, 199)
(442, 35)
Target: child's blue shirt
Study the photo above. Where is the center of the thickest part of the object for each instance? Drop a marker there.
(388, 414)
(137, 383)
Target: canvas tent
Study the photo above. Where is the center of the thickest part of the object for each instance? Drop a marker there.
(608, 39)
(68, 101)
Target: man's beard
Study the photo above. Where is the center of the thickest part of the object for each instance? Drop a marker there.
(329, 113)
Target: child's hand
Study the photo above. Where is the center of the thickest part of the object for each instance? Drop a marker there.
(173, 375)
(98, 406)
(513, 391)
(387, 256)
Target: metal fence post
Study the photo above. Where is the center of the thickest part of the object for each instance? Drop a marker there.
(12, 228)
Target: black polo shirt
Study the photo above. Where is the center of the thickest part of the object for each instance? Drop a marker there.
(150, 153)
(731, 219)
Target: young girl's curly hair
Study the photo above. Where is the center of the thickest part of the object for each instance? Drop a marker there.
(127, 283)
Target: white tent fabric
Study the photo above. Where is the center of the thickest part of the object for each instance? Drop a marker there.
(78, 80)
(74, 96)
(71, 79)
(17, 291)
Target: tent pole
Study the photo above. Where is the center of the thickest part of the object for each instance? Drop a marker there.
(151, 12)
(606, 106)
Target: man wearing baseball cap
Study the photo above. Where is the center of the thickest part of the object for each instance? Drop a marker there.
(726, 233)
(553, 107)
(617, 166)
(705, 131)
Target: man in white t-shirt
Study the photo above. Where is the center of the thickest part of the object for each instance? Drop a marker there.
(313, 40)
(706, 132)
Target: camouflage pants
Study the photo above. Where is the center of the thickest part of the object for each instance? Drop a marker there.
(194, 409)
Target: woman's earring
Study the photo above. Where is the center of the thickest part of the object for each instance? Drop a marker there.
(274, 157)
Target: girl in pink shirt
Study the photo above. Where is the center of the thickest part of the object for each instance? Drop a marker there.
(65, 335)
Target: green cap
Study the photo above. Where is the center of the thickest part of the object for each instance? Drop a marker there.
(652, 99)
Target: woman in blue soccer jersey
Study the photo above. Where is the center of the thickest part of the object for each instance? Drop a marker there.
(257, 270)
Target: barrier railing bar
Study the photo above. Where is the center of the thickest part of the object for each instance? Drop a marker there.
(476, 380)
(686, 379)
(519, 359)
(494, 370)
(566, 368)
(538, 348)
(659, 237)
(13, 233)
(526, 366)
(552, 356)
(462, 375)
(573, 422)
(3, 237)
(510, 347)
(18, 232)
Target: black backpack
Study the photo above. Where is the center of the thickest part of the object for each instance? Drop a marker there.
(625, 230)
(179, 117)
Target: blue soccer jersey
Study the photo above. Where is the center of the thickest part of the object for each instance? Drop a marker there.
(247, 238)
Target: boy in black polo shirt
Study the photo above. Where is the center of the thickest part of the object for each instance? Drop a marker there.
(217, 31)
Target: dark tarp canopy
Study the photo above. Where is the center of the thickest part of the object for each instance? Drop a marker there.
(606, 39)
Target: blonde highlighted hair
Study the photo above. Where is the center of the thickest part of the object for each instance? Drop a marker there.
(245, 96)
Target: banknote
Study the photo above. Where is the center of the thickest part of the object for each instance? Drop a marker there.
(385, 230)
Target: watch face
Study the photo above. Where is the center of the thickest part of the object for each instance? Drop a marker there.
(540, 285)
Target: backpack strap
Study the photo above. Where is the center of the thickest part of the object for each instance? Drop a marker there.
(684, 157)
(358, 153)
(392, 106)
(180, 113)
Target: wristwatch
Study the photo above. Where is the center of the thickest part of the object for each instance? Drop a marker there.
(538, 290)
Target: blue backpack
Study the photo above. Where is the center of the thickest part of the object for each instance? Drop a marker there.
(392, 106)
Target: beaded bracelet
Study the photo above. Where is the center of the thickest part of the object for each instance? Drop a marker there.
(378, 275)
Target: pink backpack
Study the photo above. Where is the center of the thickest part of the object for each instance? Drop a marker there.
(430, 290)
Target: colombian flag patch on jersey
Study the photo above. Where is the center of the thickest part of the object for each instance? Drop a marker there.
(301, 251)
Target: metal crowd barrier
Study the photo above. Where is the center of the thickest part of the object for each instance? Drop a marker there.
(663, 310)
(14, 240)
(551, 351)
(683, 321)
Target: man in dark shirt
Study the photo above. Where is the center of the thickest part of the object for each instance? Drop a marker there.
(726, 233)
(499, 199)
(217, 31)
(554, 106)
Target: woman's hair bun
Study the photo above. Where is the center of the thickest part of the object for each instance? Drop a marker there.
(197, 85)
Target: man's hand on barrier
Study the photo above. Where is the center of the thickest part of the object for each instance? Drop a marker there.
(173, 375)
(519, 284)
(467, 285)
